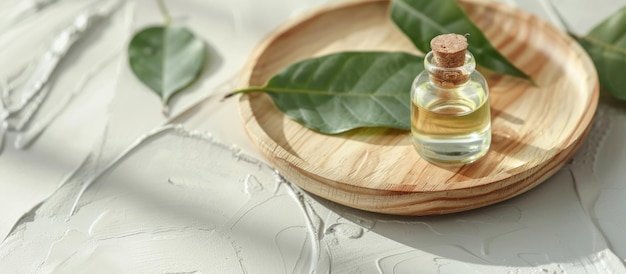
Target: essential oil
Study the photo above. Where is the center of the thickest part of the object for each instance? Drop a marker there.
(450, 114)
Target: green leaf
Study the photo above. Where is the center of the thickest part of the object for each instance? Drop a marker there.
(422, 20)
(166, 58)
(343, 91)
(606, 45)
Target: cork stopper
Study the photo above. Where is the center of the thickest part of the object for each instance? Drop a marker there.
(449, 50)
(449, 53)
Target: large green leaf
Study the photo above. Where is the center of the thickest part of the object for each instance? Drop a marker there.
(343, 91)
(606, 44)
(422, 20)
(166, 58)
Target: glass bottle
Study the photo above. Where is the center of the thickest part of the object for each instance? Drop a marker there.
(450, 115)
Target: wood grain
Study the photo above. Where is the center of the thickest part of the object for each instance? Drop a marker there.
(535, 129)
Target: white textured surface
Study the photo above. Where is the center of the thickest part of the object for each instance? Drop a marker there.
(185, 202)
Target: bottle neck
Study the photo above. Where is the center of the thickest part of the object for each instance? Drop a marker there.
(449, 77)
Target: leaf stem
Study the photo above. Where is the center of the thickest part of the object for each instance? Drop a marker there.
(245, 90)
(166, 15)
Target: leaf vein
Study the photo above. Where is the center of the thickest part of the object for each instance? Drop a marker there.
(320, 92)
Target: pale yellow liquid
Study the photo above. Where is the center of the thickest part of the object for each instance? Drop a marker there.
(451, 128)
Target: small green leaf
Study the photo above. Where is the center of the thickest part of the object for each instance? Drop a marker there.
(166, 58)
(606, 45)
(422, 20)
(343, 91)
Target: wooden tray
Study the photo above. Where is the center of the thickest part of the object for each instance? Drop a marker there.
(535, 129)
